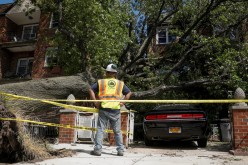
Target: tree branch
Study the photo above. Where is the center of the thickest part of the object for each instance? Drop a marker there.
(158, 91)
(210, 8)
(182, 59)
(147, 41)
(239, 21)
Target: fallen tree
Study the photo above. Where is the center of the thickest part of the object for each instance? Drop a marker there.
(16, 141)
(49, 88)
(61, 87)
(16, 144)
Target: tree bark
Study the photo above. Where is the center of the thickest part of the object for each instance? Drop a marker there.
(50, 88)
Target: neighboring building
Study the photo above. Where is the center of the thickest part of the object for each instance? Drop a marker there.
(164, 34)
(162, 39)
(23, 52)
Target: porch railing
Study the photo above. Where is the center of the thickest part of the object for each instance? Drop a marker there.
(12, 36)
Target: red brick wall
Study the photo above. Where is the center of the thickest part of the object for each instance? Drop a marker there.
(1, 72)
(4, 63)
(2, 29)
(9, 61)
(240, 128)
(39, 71)
(6, 25)
(67, 135)
(124, 125)
(13, 27)
(40, 50)
(16, 56)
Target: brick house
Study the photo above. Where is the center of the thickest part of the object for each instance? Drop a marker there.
(23, 52)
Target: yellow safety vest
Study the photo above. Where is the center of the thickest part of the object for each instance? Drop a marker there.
(110, 89)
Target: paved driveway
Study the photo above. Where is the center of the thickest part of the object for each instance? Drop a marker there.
(185, 153)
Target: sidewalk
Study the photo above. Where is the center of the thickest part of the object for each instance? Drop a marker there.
(143, 156)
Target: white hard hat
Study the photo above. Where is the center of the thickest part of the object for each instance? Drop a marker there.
(111, 68)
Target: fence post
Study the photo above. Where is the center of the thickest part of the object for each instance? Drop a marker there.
(68, 117)
(239, 116)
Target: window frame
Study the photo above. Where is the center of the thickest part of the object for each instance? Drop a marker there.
(167, 37)
(27, 66)
(166, 29)
(32, 32)
(53, 22)
(47, 56)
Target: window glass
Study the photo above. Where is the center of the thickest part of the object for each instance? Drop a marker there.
(29, 32)
(51, 57)
(163, 35)
(24, 66)
(54, 20)
(23, 62)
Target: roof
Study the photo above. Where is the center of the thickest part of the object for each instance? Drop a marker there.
(4, 8)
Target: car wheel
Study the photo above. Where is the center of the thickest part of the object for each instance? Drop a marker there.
(202, 143)
(148, 142)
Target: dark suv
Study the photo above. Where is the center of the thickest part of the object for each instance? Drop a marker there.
(176, 122)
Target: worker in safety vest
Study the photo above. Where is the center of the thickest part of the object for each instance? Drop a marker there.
(109, 89)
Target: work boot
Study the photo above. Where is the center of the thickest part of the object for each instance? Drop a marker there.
(120, 153)
(96, 153)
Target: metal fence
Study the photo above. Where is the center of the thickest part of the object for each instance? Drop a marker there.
(48, 133)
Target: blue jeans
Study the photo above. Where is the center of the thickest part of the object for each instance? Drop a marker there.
(114, 118)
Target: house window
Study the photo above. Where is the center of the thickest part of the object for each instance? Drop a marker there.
(51, 57)
(24, 66)
(54, 20)
(29, 32)
(163, 36)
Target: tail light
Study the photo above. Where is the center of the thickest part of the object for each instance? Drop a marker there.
(151, 117)
(175, 116)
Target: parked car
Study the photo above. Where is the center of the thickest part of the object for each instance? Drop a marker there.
(176, 122)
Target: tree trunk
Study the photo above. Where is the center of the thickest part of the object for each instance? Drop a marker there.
(61, 87)
(49, 88)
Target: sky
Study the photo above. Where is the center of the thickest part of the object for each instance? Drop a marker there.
(6, 1)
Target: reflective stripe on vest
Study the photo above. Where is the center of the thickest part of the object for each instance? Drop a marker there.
(110, 89)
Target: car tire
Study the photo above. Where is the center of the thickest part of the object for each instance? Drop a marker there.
(148, 142)
(202, 143)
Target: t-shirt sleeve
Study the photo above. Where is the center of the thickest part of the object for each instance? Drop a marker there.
(94, 87)
(125, 90)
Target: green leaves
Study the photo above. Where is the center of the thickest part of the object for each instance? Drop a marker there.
(210, 40)
(92, 32)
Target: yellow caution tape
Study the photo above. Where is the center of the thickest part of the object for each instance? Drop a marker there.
(165, 101)
(59, 125)
(52, 101)
(79, 108)
(161, 101)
